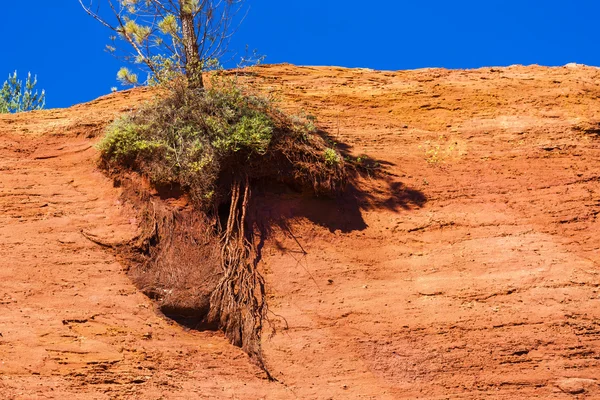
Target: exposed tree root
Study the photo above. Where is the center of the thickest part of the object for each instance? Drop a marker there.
(99, 242)
(198, 273)
(238, 303)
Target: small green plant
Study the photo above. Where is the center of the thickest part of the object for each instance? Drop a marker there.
(16, 97)
(331, 157)
(440, 150)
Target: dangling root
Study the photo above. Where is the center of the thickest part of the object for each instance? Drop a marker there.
(238, 303)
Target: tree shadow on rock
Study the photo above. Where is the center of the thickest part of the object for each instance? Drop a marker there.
(371, 186)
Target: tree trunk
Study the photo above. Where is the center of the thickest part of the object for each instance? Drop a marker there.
(193, 67)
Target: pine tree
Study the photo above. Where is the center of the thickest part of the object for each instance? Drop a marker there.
(16, 97)
(169, 36)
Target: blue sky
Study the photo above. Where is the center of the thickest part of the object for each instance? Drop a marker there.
(65, 48)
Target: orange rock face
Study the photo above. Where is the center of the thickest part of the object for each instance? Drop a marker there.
(469, 270)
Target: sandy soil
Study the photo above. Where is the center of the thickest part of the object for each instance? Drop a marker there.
(469, 272)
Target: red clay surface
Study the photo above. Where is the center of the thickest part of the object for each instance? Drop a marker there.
(470, 272)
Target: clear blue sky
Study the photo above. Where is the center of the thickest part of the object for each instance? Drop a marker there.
(65, 48)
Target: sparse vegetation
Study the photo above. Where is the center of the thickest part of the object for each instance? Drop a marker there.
(201, 140)
(18, 97)
(441, 150)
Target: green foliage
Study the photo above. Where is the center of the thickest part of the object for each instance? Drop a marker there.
(331, 157)
(126, 77)
(202, 139)
(167, 37)
(16, 97)
(165, 70)
(249, 132)
(124, 142)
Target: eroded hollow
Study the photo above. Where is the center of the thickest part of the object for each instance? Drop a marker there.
(200, 270)
(175, 260)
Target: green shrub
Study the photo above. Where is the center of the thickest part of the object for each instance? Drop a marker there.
(204, 139)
